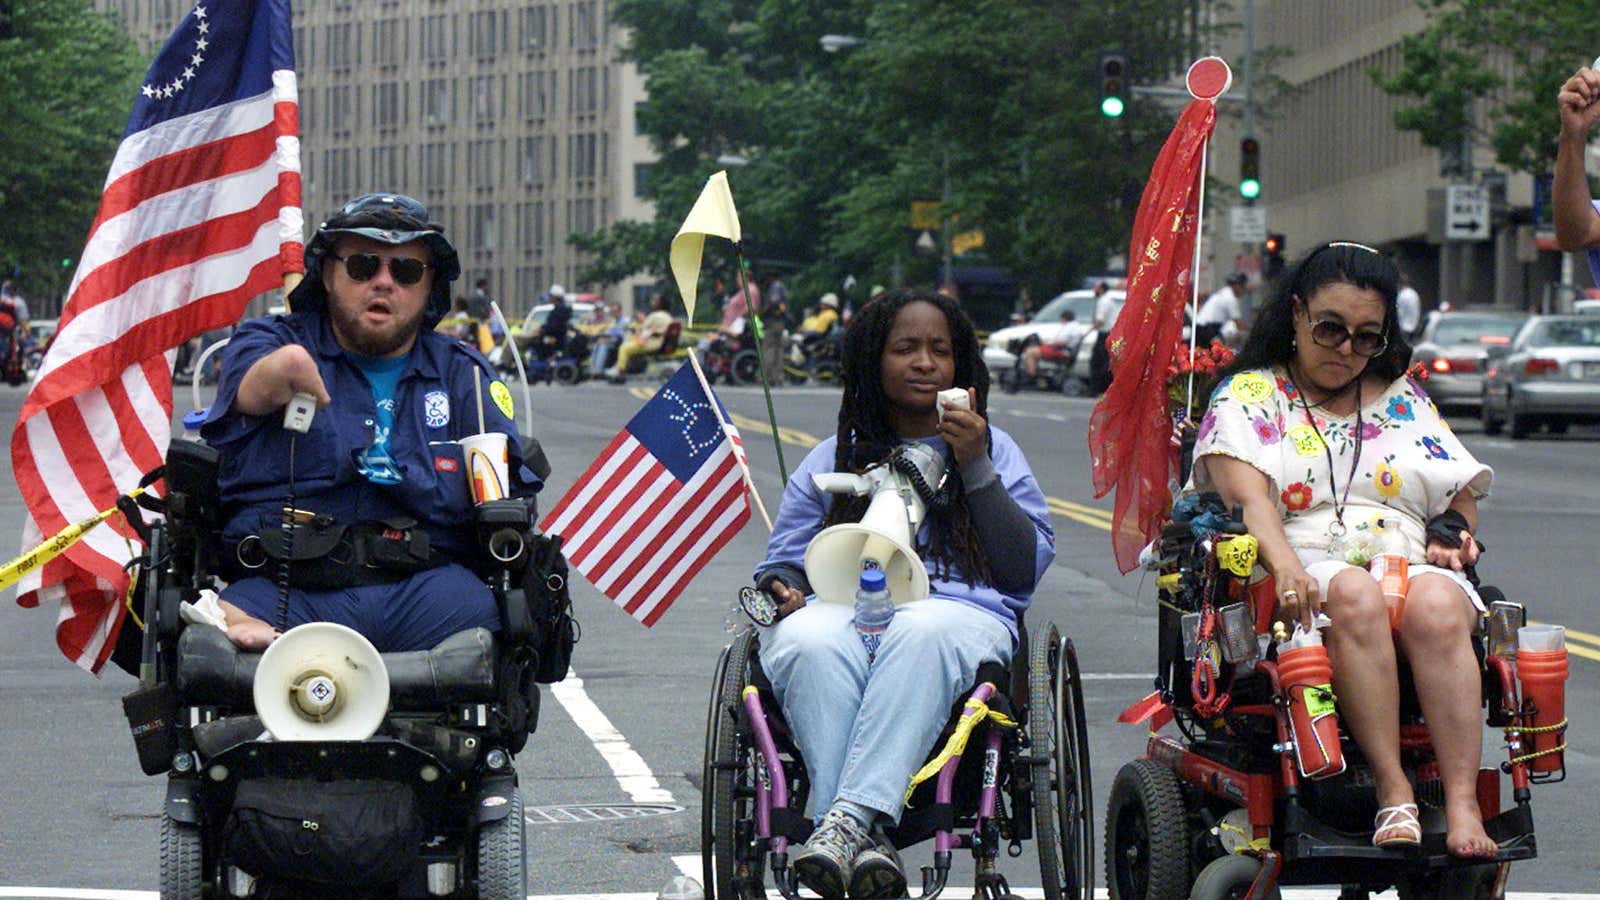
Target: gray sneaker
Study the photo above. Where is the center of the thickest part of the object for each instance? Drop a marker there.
(876, 871)
(824, 863)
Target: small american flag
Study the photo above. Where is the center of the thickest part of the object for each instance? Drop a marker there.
(200, 213)
(662, 498)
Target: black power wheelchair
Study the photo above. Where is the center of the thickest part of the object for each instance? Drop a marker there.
(1221, 810)
(1023, 774)
(428, 806)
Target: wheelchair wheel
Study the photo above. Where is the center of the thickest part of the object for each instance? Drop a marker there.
(1228, 878)
(745, 368)
(182, 861)
(825, 371)
(726, 792)
(566, 372)
(1062, 796)
(502, 855)
(1147, 847)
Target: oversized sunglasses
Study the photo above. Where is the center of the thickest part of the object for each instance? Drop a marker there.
(1331, 334)
(363, 266)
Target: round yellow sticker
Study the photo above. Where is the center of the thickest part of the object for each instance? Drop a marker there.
(1248, 387)
(502, 398)
(1306, 440)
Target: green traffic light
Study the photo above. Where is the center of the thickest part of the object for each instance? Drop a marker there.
(66, 263)
(1111, 107)
(1250, 188)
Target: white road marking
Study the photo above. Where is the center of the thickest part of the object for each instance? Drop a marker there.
(627, 765)
(45, 893)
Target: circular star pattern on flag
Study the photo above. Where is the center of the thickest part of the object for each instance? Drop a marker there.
(688, 418)
(168, 90)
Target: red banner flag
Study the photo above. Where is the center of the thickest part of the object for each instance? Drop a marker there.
(1130, 432)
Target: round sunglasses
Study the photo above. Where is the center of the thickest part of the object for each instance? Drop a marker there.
(1331, 334)
(404, 270)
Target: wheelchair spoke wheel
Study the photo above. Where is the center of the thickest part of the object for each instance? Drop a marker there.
(502, 855)
(182, 861)
(727, 790)
(1146, 835)
(746, 367)
(1062, 797)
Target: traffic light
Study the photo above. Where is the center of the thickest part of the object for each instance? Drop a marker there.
(66, 263)
(1272, 255)
(1250, 168)
(1113, 72)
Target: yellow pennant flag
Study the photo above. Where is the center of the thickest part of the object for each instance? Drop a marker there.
(13, 571)
(713, 214)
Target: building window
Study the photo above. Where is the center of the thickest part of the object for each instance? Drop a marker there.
(531, 34)
(435, 39)
(483, 108)
(433, 165)
(483, 164)
(641, 180)
(387, 111)
(584, 29)
(485, 233)
(529, 169)
(436, 101)
(639, 113)
(581, 156)
(531, 98)
(388, 42)
(481, 33)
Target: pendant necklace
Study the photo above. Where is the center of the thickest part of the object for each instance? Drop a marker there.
(1337, 544)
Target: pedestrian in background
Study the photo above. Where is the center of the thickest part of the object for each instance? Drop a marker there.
(1577, 214)
(1221, 316)
(774, 308)
(1408, 307)
(1106, 310)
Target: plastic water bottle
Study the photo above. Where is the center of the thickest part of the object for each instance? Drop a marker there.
(1306, 675)
(874, 609)
(1392, 571)
(192, 421)
(681, 887)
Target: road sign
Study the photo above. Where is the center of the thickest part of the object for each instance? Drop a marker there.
(1466, 213)
(925, 215)
(925, 243)
(1247, 224)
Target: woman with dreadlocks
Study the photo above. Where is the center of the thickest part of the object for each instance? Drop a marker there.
(864, 723)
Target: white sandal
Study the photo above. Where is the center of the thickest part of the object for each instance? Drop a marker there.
(1401, 818)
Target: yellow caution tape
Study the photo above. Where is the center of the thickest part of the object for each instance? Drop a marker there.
(15, 570)
(972, 713)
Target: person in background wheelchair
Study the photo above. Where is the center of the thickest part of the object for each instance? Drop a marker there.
(378, 473)
(864, 724)
(1331, 449)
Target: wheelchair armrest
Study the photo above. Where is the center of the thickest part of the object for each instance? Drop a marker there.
(212, 671)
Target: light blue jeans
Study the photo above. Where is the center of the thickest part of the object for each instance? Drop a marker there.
(865, 728)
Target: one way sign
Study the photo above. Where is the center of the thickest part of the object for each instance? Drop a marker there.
(1466, 213)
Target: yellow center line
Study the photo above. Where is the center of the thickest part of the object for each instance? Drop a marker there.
(1584, 652)
(1574, 634)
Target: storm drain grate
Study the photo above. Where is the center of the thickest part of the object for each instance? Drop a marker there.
(583, 813)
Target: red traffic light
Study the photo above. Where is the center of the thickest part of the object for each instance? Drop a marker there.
(1274, 243)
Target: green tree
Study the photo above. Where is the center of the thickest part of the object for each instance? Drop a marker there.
(1487, 71)
(989, 104)
(68, 75)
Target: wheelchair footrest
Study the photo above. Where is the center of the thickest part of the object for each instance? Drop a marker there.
(1309, 840)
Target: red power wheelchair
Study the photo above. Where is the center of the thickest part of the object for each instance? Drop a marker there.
(1220, 810)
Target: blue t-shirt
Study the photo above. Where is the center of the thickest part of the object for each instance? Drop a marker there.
(383, 373)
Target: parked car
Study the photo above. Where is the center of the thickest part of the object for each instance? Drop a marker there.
(1586, 307)
(1045, 324)
(1548, 375)
(1454, 345)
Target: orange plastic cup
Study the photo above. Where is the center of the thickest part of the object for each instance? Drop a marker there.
(1543, 674)
(1393, 573)
(1307, 677)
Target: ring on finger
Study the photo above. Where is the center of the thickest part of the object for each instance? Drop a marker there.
(1290, 593)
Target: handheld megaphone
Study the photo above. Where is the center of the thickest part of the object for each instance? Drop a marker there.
(321, 682)
(885, 536)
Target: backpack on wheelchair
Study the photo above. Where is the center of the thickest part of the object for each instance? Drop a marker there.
(427, 805)
(1221, 809)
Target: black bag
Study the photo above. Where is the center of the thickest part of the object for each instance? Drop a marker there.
(336, 833)
(555, 631)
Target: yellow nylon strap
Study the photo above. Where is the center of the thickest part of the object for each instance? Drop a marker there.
(973, 712)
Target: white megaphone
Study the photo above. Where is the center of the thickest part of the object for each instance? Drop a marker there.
(884, 538)
(321, 682)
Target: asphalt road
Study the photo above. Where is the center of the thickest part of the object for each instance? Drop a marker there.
(626, 745)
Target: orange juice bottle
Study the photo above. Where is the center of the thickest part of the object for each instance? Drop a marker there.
(1392, 571)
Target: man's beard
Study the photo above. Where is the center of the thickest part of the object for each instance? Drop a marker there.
(360, 339)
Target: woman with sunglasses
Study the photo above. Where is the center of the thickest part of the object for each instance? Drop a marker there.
(1335, 455)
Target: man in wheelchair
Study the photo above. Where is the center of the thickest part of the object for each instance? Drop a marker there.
(358, 514)
(865, 718)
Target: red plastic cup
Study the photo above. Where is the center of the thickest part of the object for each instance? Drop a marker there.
(1307, 677)
(1543, 674)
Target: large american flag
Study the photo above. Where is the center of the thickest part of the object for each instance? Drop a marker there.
(660, 500)
(200, 213)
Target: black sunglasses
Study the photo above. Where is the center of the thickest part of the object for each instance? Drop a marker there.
(363, 266)
(1331, 334)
